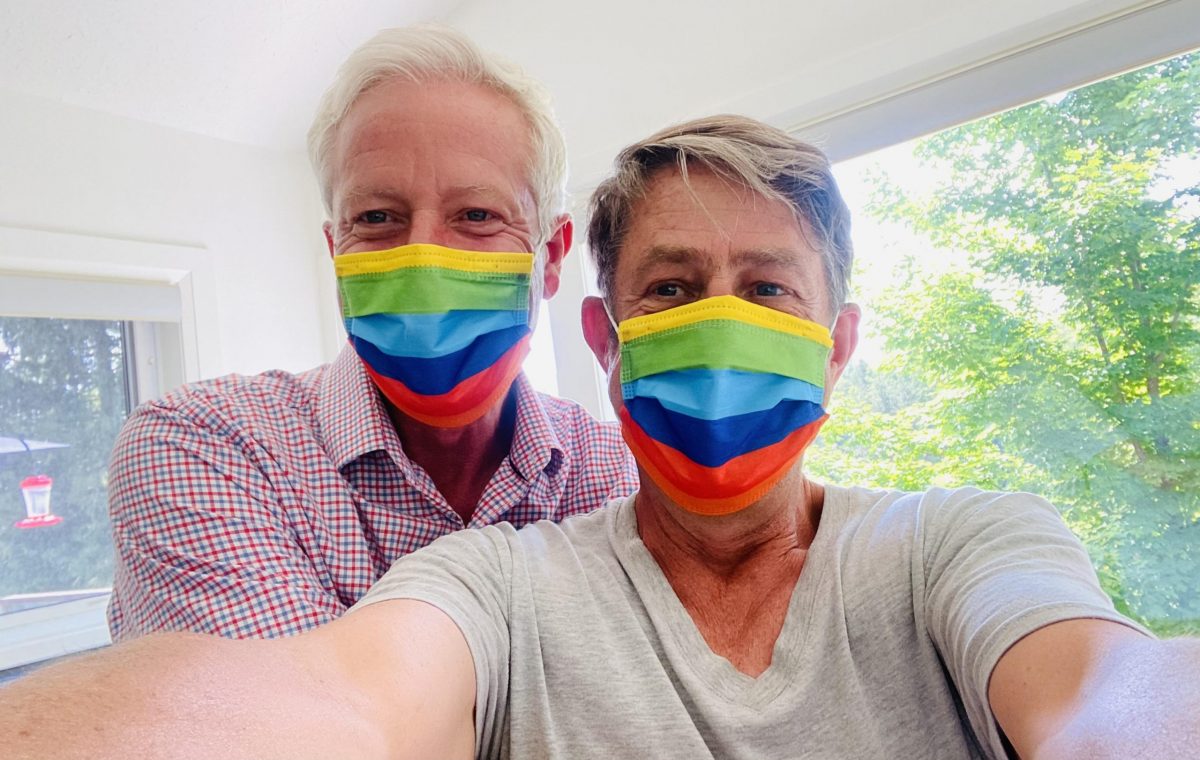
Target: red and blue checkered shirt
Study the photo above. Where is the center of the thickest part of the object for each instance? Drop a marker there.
(263, 506)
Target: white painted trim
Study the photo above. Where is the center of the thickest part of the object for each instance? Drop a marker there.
(56, 630)
(48, 254)
(579, 376)
(955, 89)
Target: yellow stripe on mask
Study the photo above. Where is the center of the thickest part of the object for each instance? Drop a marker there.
(724, 307)
(427, 255)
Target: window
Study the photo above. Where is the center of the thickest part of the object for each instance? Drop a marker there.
(66, 387)
(64, 393)
(1032, 291)
(540, 366)
(88, 329)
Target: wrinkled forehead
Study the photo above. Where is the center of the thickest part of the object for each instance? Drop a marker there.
(711, 222)
(465, 132)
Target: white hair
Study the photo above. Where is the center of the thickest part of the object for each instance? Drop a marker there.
(426, 53)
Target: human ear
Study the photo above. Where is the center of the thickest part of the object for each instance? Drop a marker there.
(327, 228)
(845, 340)
(557, 248)
(598, 332)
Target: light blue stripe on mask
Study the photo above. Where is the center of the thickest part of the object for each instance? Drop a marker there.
(713, 394)
(429, 336)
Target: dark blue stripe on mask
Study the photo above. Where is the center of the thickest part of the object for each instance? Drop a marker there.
(714, 442)
(435, 376)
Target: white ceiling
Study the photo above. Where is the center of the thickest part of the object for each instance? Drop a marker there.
(251, 71)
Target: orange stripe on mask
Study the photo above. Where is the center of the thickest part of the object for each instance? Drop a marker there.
(716, 490)
(467, 402)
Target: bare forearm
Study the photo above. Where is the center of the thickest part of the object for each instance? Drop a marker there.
(1146, 704)
(181, 695)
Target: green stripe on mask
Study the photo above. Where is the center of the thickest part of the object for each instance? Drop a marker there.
(432, 291)
(724, 344)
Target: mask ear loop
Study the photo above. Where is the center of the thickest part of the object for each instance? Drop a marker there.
(615, 336)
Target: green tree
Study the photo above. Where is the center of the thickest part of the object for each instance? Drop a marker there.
(1060, 352)
(61, 381)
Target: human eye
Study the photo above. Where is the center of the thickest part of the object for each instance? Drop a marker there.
(478, 215)
(666, 294)
(374, 216)
(769, 290)
(480, 222)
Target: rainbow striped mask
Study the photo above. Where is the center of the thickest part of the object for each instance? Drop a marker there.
(442, 332)
(721, 397)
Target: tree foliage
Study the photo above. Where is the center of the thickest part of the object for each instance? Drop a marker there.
(61, 381)
(1060, 350)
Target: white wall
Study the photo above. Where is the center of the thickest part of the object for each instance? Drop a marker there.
(255, 212)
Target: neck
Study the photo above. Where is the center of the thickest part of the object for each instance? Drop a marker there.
(735, 575)
(784, 521)
(460, 460)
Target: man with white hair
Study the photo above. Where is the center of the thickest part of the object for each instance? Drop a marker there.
(732, 608)
(264, 506)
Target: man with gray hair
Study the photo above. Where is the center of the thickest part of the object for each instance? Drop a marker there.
(732, 608)
(264, 506)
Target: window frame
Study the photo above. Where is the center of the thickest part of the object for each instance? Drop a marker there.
(164, 295)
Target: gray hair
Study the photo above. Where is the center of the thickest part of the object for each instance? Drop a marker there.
(426, 53)
(766, 160)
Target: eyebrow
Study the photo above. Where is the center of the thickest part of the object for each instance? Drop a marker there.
(780, 257)
(488, 191)
(485, 193)
(671, 254)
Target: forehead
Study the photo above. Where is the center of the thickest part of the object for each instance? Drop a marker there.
(710, 222)
(400, 131)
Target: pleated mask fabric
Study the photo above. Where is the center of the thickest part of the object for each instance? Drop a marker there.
(720, 398)
(442, 332)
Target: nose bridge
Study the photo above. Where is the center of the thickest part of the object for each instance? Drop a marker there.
(721, 282)
(426, 226)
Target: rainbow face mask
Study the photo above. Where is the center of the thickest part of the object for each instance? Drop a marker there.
(442, 332)
(721, 397)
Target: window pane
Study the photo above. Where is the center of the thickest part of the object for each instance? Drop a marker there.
(541, 366)
(64, 394)
(1032, 293)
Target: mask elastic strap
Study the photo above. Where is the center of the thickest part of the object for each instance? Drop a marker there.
(611, 320)
(612, 323)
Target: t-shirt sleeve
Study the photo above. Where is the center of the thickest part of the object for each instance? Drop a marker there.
(468, 576)
(996, 568)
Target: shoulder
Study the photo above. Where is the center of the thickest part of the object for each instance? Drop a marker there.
(544, 542)
(599, 465)
(545, 548)
(576, 428)
(940, 526)
(937, 509)
(233, 402)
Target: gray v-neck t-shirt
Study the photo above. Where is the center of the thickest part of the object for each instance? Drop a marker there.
(905, 604)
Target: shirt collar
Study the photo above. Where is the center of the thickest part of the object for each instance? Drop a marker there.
(354, 421)
(536, 445)
(350, 411)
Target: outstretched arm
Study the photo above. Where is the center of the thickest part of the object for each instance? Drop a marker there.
(1098, 689)
(394, 679)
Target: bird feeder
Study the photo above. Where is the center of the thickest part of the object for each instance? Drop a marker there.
(36, 492)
